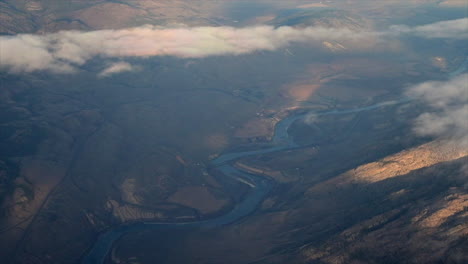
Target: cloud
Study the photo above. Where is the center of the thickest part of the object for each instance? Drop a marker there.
(448, 109)
(455, 29)
(311, 118)
(116, 68)
(65, 50)
(26, 53)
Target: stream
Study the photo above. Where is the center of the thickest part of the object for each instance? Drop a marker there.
(260, 185)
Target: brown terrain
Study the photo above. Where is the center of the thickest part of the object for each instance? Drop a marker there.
(415, 212)
(79, 159)
(26, 16)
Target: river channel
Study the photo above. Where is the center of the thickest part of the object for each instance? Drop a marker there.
(260, 185)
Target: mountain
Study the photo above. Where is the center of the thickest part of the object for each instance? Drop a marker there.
(299, 150)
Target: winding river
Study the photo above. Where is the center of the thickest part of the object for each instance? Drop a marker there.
(260, 185)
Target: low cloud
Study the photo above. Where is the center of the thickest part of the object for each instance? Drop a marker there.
(26, 53)
(62, 52)
(455, 29)
(117, 67)
(447, 102)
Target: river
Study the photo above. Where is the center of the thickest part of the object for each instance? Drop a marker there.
(260, 185)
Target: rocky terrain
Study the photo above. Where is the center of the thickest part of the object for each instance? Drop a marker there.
(49, 15)
(82, 153)
(417, 213)
(426, 220)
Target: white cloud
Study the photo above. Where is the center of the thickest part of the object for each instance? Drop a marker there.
(29, 53)
(26, 53)
(455, 29)
(63, 51)
(116, 68)
(448, 109)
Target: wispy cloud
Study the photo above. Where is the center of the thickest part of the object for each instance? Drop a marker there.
(455, 29)
(116, 67)
(447, 115)
(63, 51)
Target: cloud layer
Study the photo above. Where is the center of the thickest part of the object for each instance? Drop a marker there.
(60, 52)
(63, 51)
(454, 29)
(448, 104)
